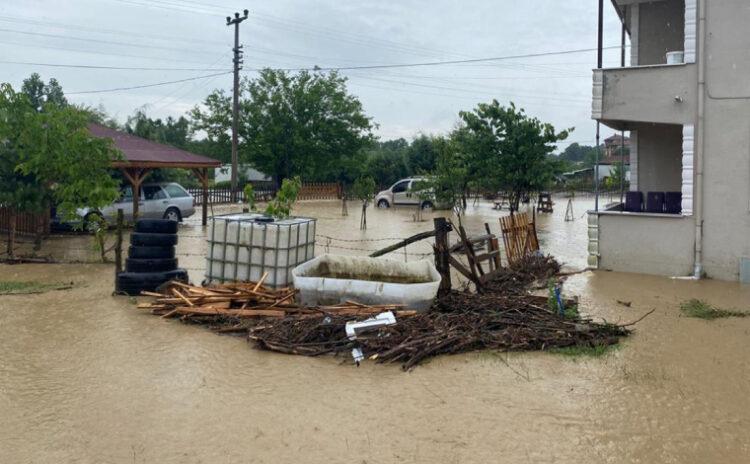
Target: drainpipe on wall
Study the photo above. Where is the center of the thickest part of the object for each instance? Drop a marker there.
(700, 140)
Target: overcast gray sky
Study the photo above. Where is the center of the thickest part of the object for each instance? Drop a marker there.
(294, 33)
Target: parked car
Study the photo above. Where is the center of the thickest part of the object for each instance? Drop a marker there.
(402, 193)
(166, 200)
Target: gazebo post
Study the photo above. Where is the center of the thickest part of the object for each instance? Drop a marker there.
(135, 176)
(202, 175)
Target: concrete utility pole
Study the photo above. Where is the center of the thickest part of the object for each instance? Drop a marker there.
(237, 60)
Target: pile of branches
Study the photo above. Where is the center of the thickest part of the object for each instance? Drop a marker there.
(505, 318)
(459, 323)
(527, 270)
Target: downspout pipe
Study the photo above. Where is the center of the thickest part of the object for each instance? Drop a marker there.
(700, 142)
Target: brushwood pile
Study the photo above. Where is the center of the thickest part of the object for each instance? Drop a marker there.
(505, 317)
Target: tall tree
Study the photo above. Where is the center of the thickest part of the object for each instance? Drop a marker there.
(422, 155)
(509, 150)
(577, 153)
(171, 131)
(49, 156)
(40, 93)
(302, 124)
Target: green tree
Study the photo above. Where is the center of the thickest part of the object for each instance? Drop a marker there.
(364, 190)
(508, 150)
(175, 132)
(577, 153)
(303, 124)
(450, 181)
(422, 155)
(214, 119)
(51, 158)
(171, 131)
(281, 206)
(40, 93)
(386, 162)
(616, 177)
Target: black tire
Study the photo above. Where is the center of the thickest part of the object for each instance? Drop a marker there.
(383, 204)
(133, 283)
(427, 205)
(173, 215)
(150, 265)
(155, 252)
(156, 226)
(150, 240)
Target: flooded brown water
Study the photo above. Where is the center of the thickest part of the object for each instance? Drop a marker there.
(87, 378)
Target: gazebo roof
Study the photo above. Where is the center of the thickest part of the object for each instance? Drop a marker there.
(142, 153)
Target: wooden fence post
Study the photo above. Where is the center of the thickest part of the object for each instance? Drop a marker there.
(118, 242)
(442, 255)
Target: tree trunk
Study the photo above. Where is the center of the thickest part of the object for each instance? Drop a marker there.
(39, 234)
(11, 232)
(363, 219)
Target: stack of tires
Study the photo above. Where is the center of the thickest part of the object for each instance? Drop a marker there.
(151, 260)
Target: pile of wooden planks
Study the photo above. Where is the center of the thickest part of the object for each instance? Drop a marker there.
(247, 300)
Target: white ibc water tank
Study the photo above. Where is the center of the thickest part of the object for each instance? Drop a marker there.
(242, 247)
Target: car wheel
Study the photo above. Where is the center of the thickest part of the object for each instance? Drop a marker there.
(427, 205)
(173, 214)
(383, 204)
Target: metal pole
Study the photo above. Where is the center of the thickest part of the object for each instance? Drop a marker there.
(237, 60)
(599, 63)
(622, 132)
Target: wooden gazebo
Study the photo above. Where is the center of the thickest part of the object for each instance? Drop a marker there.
(140, 156)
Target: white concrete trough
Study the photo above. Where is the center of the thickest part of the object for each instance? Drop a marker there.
(333, 279)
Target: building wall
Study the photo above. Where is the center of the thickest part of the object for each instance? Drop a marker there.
(726, 186)
(661, 29)
(659, 158)
(646, 244)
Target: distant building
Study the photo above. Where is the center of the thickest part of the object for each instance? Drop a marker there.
(616, 150)
(246, 172)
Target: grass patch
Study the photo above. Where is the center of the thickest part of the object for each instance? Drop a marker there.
(702, 310)
(24, 288)
(584, 351)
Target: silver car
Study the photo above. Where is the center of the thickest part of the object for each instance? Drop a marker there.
(166, 200)
(402, 193)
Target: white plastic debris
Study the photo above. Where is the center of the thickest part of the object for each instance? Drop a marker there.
(357, 355)
(381, 320)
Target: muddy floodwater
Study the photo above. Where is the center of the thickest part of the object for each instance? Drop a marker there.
(85, 377)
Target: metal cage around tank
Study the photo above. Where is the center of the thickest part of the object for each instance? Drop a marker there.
(243, 247)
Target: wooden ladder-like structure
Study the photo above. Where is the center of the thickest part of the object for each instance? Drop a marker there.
(519, 236)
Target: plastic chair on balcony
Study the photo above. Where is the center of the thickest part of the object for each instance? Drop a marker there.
(634, 202)
(655, 202)
(673, 202)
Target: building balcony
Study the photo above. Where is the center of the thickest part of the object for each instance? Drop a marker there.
(664, 94)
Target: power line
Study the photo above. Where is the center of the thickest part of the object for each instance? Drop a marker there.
(106, 42)
(443, 63)
(119, 68)
(148, 85)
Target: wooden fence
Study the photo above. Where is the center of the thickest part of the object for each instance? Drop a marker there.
(320, 191)
(26, 223)
(223, 195)
(309, 191)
